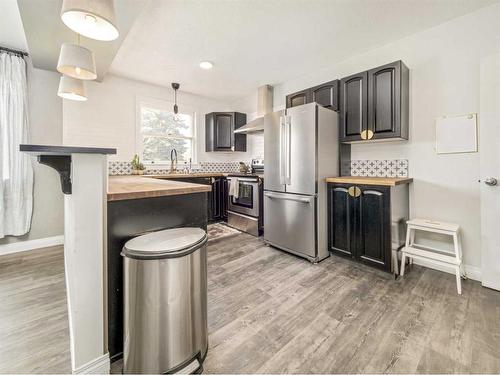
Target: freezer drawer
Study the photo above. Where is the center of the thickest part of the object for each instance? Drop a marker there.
(290, 222)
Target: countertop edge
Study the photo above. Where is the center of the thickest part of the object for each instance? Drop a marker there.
(381, 181)
(64, 150)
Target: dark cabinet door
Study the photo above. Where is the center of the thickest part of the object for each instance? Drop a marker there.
(341, 220)
(384, 101)
(223, 130)
(219, 131)
(298, 98)
(353, 107)
(225, 197)
(373, 245)
(326, 95)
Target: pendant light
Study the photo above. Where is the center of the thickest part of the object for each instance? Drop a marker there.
(71, 88)
(77, 61)
(94, 19)
(176, 86)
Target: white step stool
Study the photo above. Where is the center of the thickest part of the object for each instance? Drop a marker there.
(432, 255)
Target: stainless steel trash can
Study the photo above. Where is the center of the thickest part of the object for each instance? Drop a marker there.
(165, 296)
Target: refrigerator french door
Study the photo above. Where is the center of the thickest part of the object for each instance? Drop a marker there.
(291, 190)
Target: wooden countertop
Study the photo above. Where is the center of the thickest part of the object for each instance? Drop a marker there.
(135, 187)
(385, 181)
(185, 175)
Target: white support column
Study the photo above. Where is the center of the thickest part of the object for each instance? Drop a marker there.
(84, 233)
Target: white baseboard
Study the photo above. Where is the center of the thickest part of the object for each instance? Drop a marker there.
(473, 273)
(100, 365)
(16, 247)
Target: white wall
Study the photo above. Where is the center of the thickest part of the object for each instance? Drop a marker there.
(108, 118)
(444, 79)
(45, 123)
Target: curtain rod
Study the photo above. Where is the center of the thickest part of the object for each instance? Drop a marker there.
(13, 51)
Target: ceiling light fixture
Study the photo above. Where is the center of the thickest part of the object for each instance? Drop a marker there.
(206, 65)
(71, 88)
(92, 18)
(77, 62)
(176, 86)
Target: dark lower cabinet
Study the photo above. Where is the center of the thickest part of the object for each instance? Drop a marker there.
(216, 199)
(374, 105)
(373, 245)
(365, 222)
(326, 95)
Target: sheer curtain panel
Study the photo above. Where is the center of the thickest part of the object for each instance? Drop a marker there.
(16, 187)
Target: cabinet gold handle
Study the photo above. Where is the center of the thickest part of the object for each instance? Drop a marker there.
(369, 134)
(363, 134)
(354, 191)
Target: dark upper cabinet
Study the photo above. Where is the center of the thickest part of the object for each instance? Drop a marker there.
(219, 131)
(374, 105)
(298, 98)
(353, 107)
(388, 95)
(364, 219)
(326, 95)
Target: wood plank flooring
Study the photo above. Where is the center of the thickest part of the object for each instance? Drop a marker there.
(34, 331)
(271, 312)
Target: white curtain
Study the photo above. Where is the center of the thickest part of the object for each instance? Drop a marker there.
(16, 187)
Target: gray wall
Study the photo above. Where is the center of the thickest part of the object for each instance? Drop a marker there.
(45, 118)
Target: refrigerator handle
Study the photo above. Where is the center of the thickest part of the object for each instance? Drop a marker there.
(288, 147)
(282, 151)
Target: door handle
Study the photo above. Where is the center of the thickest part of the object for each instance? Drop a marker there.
(287, 198)
(366, 134)
(354, 191)
(288, 169)
(491, 181)
(282, 154)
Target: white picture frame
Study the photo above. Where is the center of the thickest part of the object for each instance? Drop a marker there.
(456, 134)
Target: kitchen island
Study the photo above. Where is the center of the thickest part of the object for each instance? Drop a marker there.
(138, 205)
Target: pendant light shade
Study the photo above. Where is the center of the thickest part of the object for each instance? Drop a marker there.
(77, 62)
(71, 88)
(94, 19)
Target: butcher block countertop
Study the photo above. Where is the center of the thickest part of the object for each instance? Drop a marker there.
(135, 187)
(185, 175)
(384, 181)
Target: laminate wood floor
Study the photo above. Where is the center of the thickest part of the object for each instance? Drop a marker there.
(271, 312)
(34, 330)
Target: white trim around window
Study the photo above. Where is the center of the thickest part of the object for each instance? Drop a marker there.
(166, 105)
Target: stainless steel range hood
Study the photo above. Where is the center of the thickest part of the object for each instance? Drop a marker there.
(264, 106)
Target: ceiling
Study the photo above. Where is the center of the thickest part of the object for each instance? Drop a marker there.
(45, 32)
(265, 41)
(11, 27)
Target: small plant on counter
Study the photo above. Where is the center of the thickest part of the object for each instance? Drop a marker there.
(137, 166)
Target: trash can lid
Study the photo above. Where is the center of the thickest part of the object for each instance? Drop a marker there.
(165, 243)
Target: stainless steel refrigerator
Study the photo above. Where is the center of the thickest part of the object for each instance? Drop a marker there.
(301, 149)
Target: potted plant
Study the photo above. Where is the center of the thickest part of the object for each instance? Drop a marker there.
(137, 166)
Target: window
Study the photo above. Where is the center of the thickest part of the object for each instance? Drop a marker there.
(160, 131)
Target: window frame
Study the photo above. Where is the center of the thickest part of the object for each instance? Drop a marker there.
(165, 105)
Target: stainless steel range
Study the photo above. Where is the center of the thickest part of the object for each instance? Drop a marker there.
(244, 206)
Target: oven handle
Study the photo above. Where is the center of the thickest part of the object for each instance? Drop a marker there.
(287, 197)
(244, 179)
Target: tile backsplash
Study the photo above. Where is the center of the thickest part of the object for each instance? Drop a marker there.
(117, 168)
(380, 168)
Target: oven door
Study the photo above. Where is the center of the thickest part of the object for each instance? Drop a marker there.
(247, 201)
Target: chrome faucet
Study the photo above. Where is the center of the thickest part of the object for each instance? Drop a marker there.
(173, 161)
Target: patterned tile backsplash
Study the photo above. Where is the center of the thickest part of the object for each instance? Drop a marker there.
(370, 168)
(117, 168)
(380, 168)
